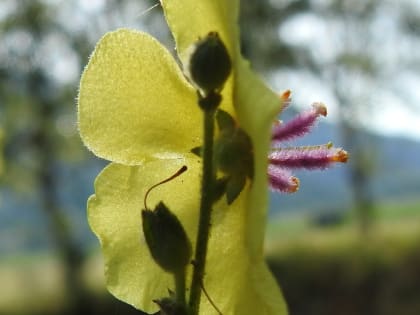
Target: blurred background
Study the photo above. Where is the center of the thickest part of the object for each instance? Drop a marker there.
(347, 243)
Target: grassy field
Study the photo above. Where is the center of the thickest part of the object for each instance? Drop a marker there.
(392, 221)
(30, 284)
(338, 270)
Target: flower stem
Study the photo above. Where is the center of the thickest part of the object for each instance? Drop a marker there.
(205, 212)
(180, 287)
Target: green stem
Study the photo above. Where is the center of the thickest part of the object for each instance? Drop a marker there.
(205, 213)
(180, 287)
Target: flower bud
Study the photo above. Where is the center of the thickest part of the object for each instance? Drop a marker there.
(209, 64)
(233, 148)
(166, 238)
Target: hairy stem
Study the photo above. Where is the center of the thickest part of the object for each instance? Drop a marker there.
(180, 287)
(205, 213)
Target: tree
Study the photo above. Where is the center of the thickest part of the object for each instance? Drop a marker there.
(32, 104)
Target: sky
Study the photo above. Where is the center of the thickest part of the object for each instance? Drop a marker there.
(391, 117)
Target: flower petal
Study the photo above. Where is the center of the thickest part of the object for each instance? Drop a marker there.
(134, 102)
(237, 278)
(205, 16)
(114, 214)
(132, 275)
(256, 107)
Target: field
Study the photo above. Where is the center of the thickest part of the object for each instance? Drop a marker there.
(338, 270)
(391, 220)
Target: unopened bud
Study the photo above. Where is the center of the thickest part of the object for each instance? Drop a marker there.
(209, 64)
(166, 238)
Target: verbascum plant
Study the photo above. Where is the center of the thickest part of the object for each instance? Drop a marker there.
(165, 240)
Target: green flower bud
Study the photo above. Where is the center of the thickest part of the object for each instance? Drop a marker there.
(166, 238)
(209, 64)
(233, 155)
(233, 148)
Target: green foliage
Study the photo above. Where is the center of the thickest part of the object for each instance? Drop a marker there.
(37, 110)
(351, 279)
(37, 114)
(233, 154)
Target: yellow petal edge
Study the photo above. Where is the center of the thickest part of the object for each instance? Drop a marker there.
(134, 103)
(114, 214)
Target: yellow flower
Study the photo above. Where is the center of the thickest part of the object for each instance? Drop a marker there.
(137, 110)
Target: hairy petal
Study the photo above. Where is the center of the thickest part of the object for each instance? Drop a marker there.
(256, 106)
(206, 16)
(114, 214)
(248, 288)
(299, 125)
(190, 19)
(312, 157)
(134, 102)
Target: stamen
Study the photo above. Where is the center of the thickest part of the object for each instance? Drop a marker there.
(299, 125)
(340, 156)
(281, 180)
(179, 172)
(286, 95)
(320, 108)
(285, 99)
(312, 157)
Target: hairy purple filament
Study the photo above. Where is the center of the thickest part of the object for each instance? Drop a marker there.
(283, 160)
